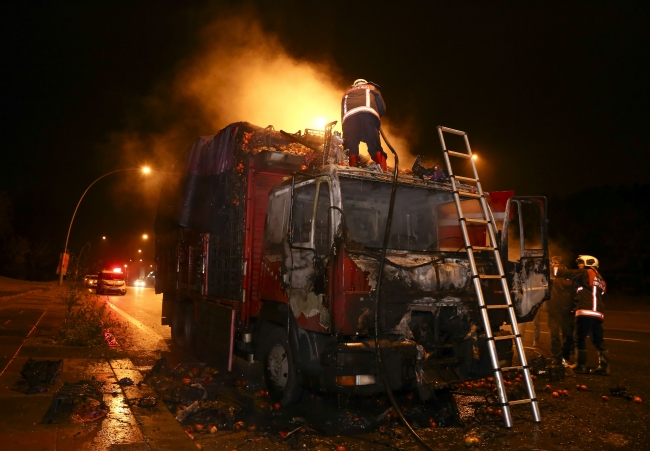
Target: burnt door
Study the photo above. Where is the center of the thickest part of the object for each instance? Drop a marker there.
(524, 252)
(306, 254)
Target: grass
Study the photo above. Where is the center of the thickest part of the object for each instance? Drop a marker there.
(86, 317)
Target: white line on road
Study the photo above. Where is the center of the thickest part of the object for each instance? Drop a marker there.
(620, 339)
(142, 327)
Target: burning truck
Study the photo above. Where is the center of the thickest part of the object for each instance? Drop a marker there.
(266, 251)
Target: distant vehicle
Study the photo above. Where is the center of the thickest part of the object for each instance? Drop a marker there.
(90, 281)
(139, 283)
(111, 282)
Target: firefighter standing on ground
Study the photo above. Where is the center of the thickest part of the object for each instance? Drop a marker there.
(560, 317)
(589, 311)
(362, 108)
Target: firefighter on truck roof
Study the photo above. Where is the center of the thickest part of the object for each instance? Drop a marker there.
(589, 311)
(362, 108)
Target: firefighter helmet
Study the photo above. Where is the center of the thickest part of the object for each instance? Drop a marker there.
(588, 260)
(359, 81)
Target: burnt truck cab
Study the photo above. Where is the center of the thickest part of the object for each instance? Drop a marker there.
(322, 243)
(266, 252)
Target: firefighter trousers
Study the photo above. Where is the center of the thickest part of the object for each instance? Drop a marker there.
(586, 326)
(560, 328)
(362, 127)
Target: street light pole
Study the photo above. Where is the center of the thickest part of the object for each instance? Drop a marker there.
(144, 170)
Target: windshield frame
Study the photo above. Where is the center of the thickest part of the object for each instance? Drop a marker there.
(425, 219)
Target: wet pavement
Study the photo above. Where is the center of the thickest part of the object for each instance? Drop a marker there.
(243, 417)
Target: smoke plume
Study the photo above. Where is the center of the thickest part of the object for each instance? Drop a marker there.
(239, 72)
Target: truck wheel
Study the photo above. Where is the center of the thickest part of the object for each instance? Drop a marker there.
(280, 370)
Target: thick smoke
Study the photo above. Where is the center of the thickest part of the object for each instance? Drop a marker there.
(239, 72)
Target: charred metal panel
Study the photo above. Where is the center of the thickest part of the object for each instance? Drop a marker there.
(270, 282)
(301, 275)
(411, 280)
(352, 306)
(530, 287)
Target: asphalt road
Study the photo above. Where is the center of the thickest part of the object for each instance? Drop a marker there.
(627, 335)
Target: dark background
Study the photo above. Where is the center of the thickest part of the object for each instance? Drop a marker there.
(553, 96)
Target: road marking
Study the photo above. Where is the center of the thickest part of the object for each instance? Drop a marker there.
(142, 327)
(8, 321)
(620, 339)
(21, 345)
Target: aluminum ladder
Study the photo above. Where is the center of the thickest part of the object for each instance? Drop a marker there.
(473, 190)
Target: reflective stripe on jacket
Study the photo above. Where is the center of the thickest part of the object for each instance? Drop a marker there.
(362, 99)
(590, 291)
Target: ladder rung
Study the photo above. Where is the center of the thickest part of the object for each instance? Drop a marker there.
(496, 306)
(483, 248)
(468, 194)
(459, 154)
(465, 179)
(503, 337)
(512, 368)
(476, 221)
(520, 401)
(489, 276)
(451, 130)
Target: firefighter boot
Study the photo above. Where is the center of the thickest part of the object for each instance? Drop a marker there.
(581, 367)
(354, 160)
(603, 364)
(380, 160)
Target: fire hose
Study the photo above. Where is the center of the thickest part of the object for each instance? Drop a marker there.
(380, 363)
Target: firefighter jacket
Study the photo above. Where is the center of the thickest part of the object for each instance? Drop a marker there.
(561, 301)
(589, 292)
(362, 99)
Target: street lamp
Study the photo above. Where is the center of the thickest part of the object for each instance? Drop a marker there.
(144, 170)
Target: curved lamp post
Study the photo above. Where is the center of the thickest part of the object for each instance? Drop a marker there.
(144, 170)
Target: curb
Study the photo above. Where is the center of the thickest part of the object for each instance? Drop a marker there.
(159, 428)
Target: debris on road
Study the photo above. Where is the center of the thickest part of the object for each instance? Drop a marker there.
(147, 401)
(89, 410)
(41, 372)
(109, 338)
(621, 392)
(77, 395)
(125, 381)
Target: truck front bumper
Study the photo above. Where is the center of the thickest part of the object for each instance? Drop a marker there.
(351, 367)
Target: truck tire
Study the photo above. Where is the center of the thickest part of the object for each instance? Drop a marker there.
(183, 326)
(280, 371)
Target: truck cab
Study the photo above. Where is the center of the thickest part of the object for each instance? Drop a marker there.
(267, 252)
(322, 245)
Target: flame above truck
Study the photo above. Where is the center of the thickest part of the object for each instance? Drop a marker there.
(266, 252)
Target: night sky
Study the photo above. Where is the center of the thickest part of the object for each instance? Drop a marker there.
(553, 95)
